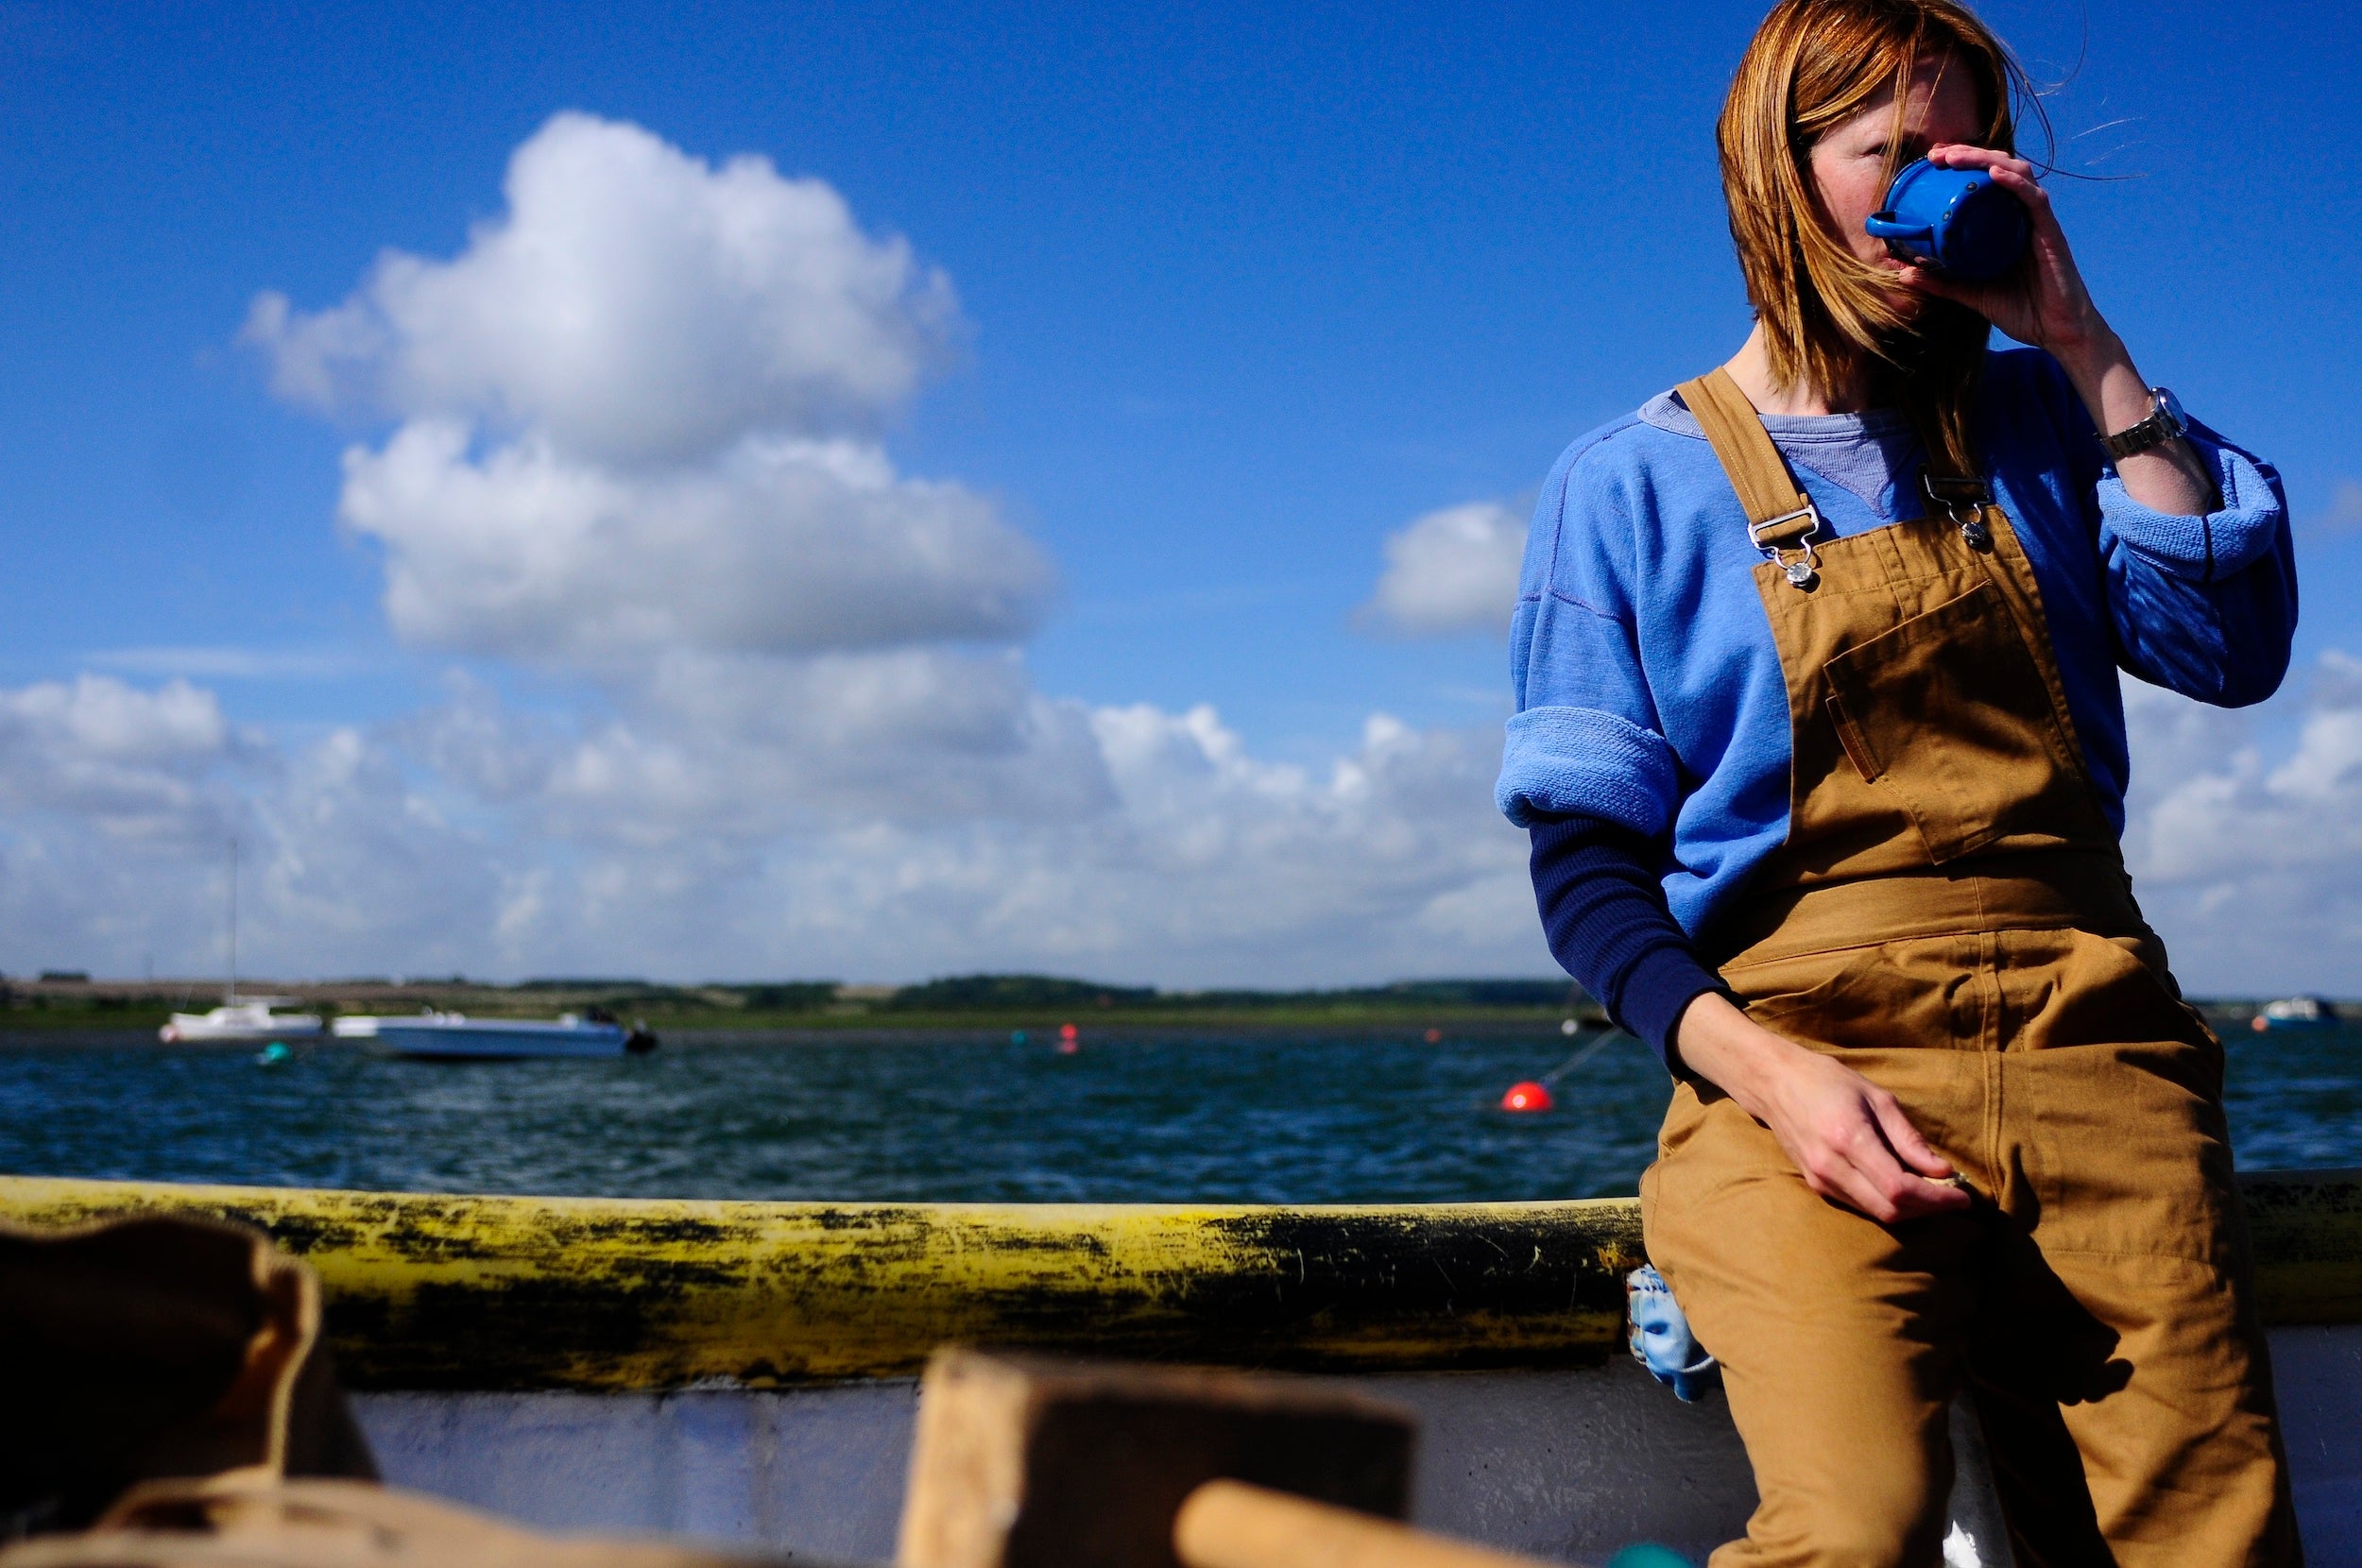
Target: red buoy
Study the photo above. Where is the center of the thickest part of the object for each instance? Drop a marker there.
(1528, 1095)
(1070, 1039)
(1434, 1036)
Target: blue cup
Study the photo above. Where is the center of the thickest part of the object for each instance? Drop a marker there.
(1954, 221)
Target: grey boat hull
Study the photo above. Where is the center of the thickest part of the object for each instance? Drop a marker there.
(1568, 1463)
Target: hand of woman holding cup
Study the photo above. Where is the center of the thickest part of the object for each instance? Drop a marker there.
(2043, 301)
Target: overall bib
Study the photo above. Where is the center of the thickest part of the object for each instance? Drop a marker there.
(1950, 917)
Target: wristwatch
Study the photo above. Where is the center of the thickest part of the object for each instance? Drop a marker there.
(2164, 423)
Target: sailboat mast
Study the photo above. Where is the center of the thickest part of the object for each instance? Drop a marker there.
(234, 923)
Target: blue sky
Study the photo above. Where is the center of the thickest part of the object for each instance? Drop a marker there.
(1241, 293)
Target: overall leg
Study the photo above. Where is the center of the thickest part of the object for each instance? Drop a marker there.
(2131, 1308)
(1838, 1339)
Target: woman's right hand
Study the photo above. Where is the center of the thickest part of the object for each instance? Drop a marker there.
(1848, 1137)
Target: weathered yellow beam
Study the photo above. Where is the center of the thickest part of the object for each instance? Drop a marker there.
(441, 1292)
(2307, 1231)
(426, 1291)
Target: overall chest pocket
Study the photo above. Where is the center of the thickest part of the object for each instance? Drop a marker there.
(1949, 713)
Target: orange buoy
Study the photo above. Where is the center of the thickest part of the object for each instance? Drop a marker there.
(1434, 1036)
(1528, 1095)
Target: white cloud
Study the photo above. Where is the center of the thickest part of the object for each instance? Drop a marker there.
(732, 836)
(632, 303)
(743, 749)
(231, 663)
(117, 804)
(131, 762)
(2250, 862)
(632, 413)
(1200, 864)
(778, 544)
(778, 720)
(1449, 572)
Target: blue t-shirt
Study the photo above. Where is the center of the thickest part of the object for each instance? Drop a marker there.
(1649, 689)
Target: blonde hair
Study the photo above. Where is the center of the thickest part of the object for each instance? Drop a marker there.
(1826, 314)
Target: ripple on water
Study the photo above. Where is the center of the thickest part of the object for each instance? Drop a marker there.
(1130, 1120)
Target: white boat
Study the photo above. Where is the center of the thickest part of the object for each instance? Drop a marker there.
(250, 1019)
(239, 1019)
(2296, 1012)
(457, 1037)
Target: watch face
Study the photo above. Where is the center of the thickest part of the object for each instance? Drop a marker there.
(2170, 406)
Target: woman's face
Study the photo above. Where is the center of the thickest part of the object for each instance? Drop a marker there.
(1849, 161)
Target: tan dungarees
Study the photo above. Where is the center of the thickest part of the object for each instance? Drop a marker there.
(1950, 917)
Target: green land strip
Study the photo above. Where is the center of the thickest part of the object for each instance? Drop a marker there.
(997, 1004)
(986, 1003)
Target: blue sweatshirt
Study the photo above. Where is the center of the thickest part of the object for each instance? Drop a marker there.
(1652, 712)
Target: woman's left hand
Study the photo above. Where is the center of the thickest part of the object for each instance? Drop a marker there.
(2043, 301)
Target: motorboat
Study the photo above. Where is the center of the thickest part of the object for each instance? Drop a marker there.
(455, 1037)
(746, 1372)
(2296, 1012)
(247, 1019)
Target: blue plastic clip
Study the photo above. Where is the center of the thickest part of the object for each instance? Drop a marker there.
(1661, 1341)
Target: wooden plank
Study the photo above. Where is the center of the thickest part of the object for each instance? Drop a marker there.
(1233, 1525)
(425, 1291)
(431, 1291)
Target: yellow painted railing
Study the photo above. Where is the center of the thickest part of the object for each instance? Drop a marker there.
(427, 1291)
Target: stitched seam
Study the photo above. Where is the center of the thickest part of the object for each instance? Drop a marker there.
(1572, 602)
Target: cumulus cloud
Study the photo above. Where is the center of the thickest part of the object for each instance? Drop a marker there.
(1199, 865)
(778, 544)
(2248, 855)
(781, 719)
(633, 442)
(1128, 842)
(633, 303)
(741, 749)
(1449, 572)
(117, 804)
(131, 762)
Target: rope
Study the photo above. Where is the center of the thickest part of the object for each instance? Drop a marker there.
(1581, 1056)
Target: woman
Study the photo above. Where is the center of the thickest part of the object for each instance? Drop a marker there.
(1819, 740)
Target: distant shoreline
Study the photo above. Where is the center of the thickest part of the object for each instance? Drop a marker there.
(985, 1006)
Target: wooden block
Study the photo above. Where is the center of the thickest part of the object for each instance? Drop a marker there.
(1027, 1462)
(1231, 1525)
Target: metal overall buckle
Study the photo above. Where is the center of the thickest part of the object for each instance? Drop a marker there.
(1803, 571)
(1963, 501)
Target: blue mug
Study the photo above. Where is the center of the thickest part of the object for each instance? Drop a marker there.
(1953, 221)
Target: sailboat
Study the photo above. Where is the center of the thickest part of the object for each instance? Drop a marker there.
(249, 1019)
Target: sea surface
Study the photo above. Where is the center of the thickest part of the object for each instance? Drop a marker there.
(1374, 1119)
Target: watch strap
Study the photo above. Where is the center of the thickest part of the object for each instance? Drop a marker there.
(2155, 431)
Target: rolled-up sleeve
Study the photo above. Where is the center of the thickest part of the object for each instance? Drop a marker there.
(1562, 761)
(2252, 522)
(2203, 605)
(1585, 739)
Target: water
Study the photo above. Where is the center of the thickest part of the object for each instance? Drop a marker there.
(1214, 1119)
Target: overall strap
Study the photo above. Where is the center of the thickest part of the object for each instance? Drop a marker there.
(1961, 498)
(1777, 512)
(1780, 516)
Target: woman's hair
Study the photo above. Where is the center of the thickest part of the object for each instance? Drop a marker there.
(1826, 314)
